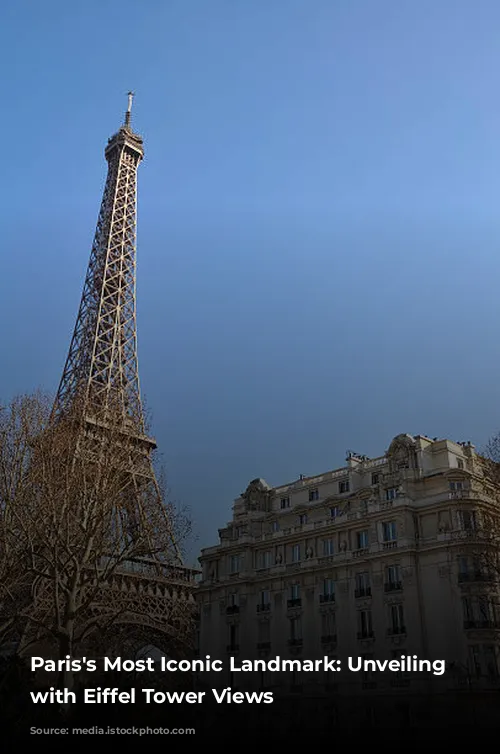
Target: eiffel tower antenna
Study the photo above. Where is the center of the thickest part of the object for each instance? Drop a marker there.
(129, 108)
(101, 374)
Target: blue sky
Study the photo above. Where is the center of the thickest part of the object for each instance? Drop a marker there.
(319, 225)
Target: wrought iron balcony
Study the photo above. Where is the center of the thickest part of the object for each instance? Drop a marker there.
(366, 635)
(294, 603)
(393, 586)
(396, 631)
(471, 576)
(364, 592)
(326, 598)
(482, 624)
(232, 609)
(263, 607)
(400, 682)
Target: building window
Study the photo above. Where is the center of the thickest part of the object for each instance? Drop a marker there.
(331, 678)
(362, 540)
(233, 599)
(486, 609)
(284, 503)
(460, 463)
(212, 570)
(328, 626)
(265, 679)
(369, 676)
(467, 609)
(479, 612)
(264, 602)
(295, 630)
(375, 478)
(391, 493)
(334, 512)
(328, 594)
(328, 548)
(467, 520)
(303, 519)
(490, 660)
(389, 531)
(264, 632)
(275, 526)
(456, 486)
(295, 553)
(483, 660)
(397, 622)
(365, 627)
(475, 661)
(313, 495)
(363, 588)
(343, 486)
(463, 568)
(264, 559)
(233, 637)
(471, 569)
(294, 596)
(393, 580)
(234, 564)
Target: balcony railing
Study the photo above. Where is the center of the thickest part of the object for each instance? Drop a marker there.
(365, 591)
(393, 586)
(483, 624)
(360, 552)
(475, 576)
(297, 602)
(400, 682)
(263, 607)
(232, 609)
(460, 494)
(390, 545)
(396, 631)
(366, 635)
(326, 598)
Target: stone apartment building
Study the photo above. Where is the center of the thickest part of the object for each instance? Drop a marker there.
(379, 559)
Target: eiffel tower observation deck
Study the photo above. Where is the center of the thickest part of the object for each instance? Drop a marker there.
(101, 379)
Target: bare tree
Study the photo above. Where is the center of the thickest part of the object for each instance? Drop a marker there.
(85, 545)
(20, 422)
(484, 528)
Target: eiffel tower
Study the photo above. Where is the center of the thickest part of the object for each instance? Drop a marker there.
(101, 375)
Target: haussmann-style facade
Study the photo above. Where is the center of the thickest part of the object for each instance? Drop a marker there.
(376, 560)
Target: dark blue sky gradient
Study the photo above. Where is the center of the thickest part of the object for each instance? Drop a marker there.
(319, 227)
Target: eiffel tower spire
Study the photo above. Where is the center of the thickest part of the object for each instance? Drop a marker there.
(101, 375)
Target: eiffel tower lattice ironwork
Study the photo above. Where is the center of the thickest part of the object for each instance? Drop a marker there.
(101, 368)
(101, 372)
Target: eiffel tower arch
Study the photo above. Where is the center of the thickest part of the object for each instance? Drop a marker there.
(150, 596)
